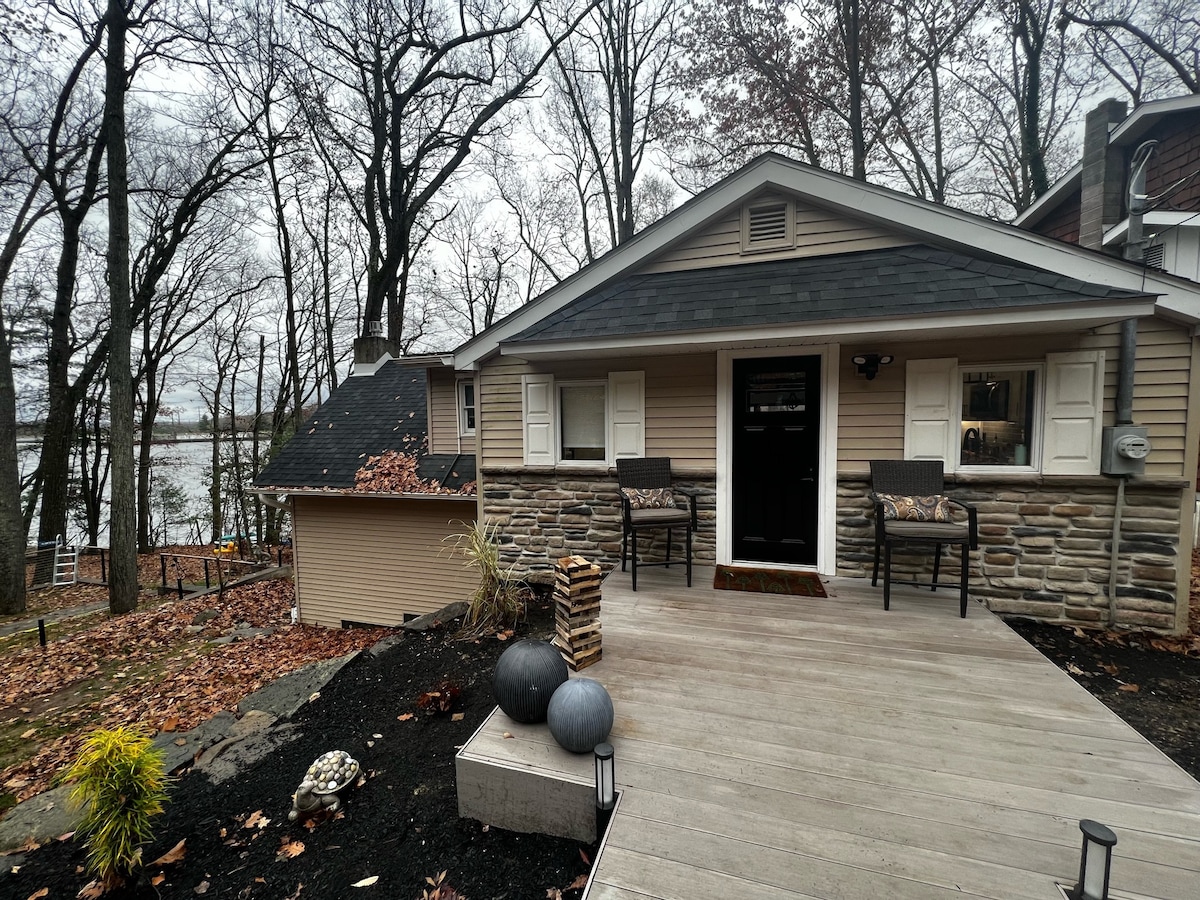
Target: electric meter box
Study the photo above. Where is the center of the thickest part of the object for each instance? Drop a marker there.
(1124, 450)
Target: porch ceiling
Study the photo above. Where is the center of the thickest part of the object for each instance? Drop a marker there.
(917, 290)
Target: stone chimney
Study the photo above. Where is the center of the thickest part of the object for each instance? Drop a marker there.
(1103, 178)
(371, 349)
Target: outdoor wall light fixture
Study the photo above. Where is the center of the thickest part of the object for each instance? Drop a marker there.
(606, 786)
(868, 363)
(1095, 861)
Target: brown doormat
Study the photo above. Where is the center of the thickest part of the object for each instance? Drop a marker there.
(768, 581)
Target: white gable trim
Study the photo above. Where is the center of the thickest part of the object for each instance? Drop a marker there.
(918, 219)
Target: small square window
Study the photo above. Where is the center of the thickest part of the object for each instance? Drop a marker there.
(998, 416)
(466, 407)
(582, 418)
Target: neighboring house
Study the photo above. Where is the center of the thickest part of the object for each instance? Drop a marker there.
(1090, 205)
(365, 555)
(725, 337)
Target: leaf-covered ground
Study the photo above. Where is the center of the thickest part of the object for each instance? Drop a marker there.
(399, 833)
(152, 667)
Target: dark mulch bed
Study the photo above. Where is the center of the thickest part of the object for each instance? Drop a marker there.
(1157, 691)
(402, 825)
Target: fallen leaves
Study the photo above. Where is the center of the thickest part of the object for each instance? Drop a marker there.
(174, 855)
(289, 850)
(394, 472)
(175, 678)
(38, 895)
(405, 717)
(256, 819)
(366, 882)
(1129, 688)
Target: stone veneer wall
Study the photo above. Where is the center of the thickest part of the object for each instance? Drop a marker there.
(1044, 545)
(544, 513)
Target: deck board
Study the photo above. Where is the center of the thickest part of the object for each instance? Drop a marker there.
(791, 747)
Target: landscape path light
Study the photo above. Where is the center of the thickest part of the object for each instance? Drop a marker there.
(606, 786)
(1095, 861)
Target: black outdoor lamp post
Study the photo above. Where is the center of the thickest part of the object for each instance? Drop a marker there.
(1095, 861)
(606, 786)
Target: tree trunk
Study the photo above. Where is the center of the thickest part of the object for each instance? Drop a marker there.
(12, 529)
(145, 461)
(122, 577)
(215, 492)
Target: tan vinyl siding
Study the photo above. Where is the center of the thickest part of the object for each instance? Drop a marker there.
(443, 414)
(681, 406)
(818, 233)
(871, 414)
(375, 560)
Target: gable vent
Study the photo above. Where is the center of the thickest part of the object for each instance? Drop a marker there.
(1154, 256)
(767, 226)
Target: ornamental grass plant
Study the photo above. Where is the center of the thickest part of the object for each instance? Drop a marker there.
(499, 601)
(120, 781)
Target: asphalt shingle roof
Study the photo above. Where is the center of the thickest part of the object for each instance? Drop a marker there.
(365, 416)
(875, 284)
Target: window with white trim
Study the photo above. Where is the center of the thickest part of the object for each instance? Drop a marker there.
(587, 421)
(1042, 417)
(998, 415)
(466, 407)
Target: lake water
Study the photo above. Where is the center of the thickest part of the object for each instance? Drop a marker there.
(180, 478)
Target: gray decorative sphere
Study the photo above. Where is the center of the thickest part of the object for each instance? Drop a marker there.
(526, 677)
(580, 714)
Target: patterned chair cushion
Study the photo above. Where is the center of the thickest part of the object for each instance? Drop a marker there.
(649, 498)
(935, 508)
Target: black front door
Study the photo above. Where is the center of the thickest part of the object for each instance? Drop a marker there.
(776, 451)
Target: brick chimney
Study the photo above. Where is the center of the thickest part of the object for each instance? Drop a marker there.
(371, 349)
(1102, 187)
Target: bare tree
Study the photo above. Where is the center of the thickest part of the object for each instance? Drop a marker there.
(849, 86)
(400, 93)
(612, 82)
(1151, 47)
(1025, 89)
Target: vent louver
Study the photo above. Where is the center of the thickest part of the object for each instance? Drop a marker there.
(1154, 256)
(767, 224)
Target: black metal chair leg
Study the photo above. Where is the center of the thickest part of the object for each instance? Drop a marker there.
(875, 571)
(962, 598)
(689, 555)
(635, 559)
(887, 575)
(624, 546)
(937, 562)
(670, 544)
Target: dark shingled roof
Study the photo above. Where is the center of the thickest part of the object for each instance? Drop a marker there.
(904, 281)
(365, 416)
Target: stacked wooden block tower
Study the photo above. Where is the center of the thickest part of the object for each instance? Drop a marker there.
(577, 611)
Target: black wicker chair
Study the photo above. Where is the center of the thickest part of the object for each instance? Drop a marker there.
(649, 473)
(919, 478)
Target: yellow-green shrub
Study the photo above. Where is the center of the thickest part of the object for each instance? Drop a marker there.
(120, 780)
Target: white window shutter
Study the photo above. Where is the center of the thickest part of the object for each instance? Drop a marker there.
(1074, 413)
(537, 392)
(931, 395)
(627, 414)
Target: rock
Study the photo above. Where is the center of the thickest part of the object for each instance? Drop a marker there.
(383, 646)
(41, 819)
(283, 696)
(193, 629)
(447, 613)
(205, 615)
(241, 634)
(180, 749)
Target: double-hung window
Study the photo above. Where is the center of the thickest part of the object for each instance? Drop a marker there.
(587, 421)
(466, 407)
(1043, 416)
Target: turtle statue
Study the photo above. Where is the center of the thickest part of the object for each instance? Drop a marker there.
(318, 792)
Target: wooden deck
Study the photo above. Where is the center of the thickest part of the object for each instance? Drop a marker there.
(773, 747)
